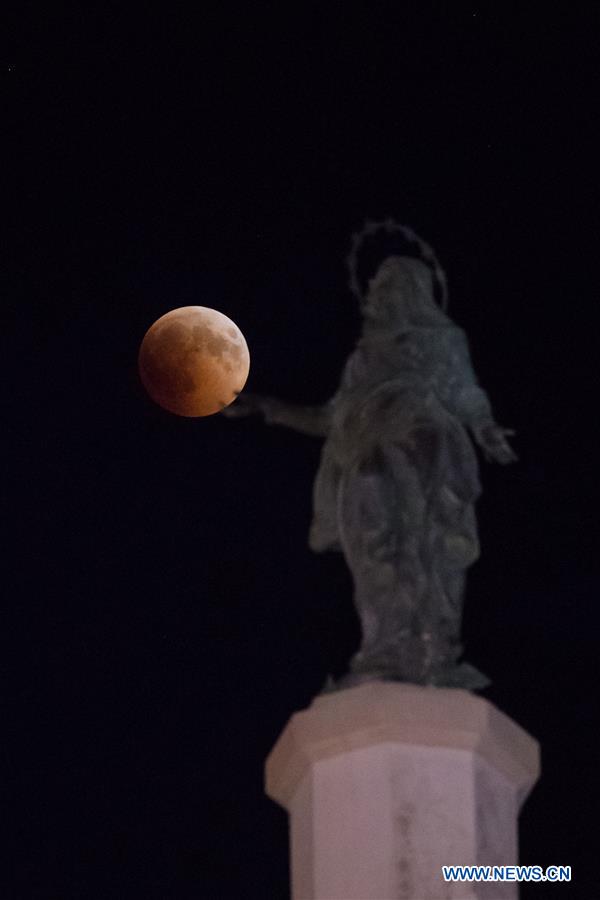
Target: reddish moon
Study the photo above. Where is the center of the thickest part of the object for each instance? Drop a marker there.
(194, 361)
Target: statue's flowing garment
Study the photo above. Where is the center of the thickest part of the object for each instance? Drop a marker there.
(396, 491)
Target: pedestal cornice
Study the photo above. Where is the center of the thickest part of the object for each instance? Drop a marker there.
(379, 712)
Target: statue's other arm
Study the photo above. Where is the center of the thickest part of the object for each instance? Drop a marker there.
(470, 403)
(314, 420)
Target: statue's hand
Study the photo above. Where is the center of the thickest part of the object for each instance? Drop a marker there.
(492, 440)
(249, 405)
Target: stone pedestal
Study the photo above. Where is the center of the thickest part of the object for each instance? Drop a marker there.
(387, 782)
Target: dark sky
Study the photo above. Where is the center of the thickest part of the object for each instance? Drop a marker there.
(163, 613)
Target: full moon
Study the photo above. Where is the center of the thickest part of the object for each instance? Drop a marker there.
(194, 361)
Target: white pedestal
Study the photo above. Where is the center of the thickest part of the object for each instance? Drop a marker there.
(387, 782)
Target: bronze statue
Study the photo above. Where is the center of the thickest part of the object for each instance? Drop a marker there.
(398, 479)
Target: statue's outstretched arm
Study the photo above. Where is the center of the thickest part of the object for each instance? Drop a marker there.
(314, 420)
(472, 405)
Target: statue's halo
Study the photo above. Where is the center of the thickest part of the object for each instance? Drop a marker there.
(390, 225)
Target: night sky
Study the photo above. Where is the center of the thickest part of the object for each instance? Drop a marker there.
(162, 613)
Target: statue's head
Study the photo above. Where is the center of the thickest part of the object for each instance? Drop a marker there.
(401, 291)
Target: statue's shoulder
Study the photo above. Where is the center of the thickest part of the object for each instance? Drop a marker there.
(452, 336)
(435, 337)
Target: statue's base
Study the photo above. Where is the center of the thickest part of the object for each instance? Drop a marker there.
(385, 783)
(460, 675)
